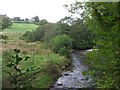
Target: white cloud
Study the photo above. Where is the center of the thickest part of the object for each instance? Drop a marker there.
(52, 10)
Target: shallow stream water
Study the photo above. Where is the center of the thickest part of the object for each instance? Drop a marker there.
(75, 78)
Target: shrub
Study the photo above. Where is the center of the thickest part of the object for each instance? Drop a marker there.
(18, 77)
(62, 44)
(36, 35)
(82, 37)
(4, 37)
(25, 35)
(43, 32)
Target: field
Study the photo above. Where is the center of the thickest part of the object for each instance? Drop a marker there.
(50, 64)
(21, 27)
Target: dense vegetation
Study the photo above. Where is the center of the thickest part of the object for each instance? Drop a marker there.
(42, 67)
(62, 44)
(107, 18)
(5, 22)
(103, 20)
(49, 45)
(77, 33)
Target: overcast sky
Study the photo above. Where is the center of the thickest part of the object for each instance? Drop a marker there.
(52, 10)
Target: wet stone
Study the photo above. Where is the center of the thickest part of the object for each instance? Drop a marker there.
(75, 78)
(60, 84)
(82, 79)
(65, 73)
(89, 80)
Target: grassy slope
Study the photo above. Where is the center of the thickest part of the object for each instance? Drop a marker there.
(40, 57)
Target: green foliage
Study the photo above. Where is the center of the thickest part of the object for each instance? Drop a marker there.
(43, 21)
(102, 19)
(4, 37)
(25, 35)
(35, 35)
(5, 22)
(43, 33)
(64, 28)
(36, 19)
(17, 73)
(82, 37)
(104, 23)
(50, 67)
(62, 44)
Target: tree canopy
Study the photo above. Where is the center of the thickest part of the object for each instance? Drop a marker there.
(5, 22)
(103, 20)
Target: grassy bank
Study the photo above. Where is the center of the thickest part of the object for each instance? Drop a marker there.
(50, 64)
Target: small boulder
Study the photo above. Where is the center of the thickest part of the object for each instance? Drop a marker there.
(60, 84)
(65, 73)
(82, 79)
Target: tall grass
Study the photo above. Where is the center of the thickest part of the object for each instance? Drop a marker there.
(50, 64)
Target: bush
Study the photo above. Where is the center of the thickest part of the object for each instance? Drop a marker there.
(18, 77)
(4, 37)
(25, 35)
(43, 32)
(82, 37)
(36, 35)
(62, 44)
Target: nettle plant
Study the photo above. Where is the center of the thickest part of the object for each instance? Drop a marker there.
(18, 77)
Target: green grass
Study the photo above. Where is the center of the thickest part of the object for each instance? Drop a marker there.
(44, 80)
(50, 67)
(18, 29)
(21, 27)
(50, 64)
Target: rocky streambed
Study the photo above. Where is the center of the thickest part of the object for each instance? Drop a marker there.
(74, 78)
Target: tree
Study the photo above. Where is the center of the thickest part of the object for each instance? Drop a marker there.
(62, 44)
(43, 21)
(42, 33)
(26, 19)
(36, 18)
(83, 38)
(64, 28)
(103, 19)
(5, 22)
(104, 23)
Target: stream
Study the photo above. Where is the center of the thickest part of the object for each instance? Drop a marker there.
(74, 78)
